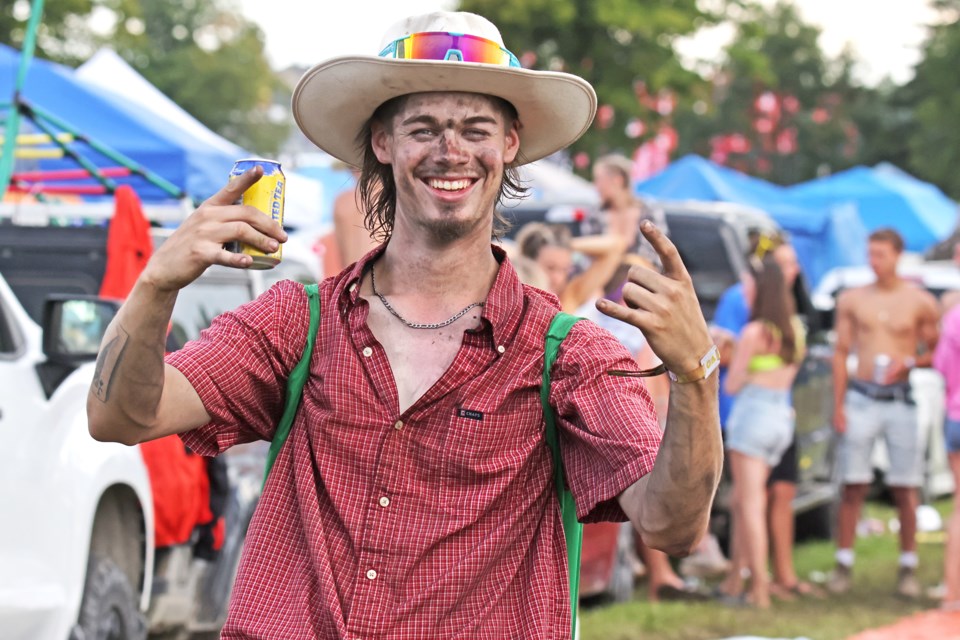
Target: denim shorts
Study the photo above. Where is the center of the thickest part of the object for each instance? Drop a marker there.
(761, 423)
(951, 433)
(895, 421)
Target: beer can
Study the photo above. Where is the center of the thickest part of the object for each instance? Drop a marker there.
(267, 195)
(881, 363)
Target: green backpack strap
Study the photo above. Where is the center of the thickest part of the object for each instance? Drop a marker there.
(296, 381)
(572, 528)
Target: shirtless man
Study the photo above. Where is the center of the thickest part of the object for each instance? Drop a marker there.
(892, 327)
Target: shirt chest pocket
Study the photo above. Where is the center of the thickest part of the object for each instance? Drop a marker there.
(488, 448)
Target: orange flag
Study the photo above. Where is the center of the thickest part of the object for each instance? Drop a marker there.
(128, 244)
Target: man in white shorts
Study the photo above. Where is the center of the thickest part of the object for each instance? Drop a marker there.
(892, 327)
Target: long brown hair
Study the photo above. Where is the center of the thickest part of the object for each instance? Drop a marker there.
(774, 306)
(378, 191)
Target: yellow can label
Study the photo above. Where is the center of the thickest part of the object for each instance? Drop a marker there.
(267, 195)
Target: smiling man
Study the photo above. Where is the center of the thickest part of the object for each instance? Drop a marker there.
(414, 496)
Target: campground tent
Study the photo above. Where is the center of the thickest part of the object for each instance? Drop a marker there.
(825, 236)
(147, 137)
(885, 197)
(54, 89)
(210, 155)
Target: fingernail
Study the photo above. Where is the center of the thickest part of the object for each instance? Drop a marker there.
(274, 245)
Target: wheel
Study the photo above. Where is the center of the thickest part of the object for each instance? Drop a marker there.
(109, 609)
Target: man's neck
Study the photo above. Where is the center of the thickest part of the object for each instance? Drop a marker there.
(889, 283)
(462, 270)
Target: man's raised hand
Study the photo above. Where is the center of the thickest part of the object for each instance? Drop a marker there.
(200, 239)
(664, 307)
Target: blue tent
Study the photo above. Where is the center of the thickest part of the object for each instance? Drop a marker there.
(825, 236)
(117, 125)
(886, 197)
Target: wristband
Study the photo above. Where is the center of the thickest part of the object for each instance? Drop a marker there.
(708, 364)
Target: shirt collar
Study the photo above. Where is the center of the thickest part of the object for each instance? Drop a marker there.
(504, 304)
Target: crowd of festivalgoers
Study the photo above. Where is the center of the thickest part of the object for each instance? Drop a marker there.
(891, 325)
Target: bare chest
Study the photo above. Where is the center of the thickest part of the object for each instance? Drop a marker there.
(887, 315)
(418, 357)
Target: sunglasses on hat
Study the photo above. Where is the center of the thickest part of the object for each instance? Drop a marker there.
(441, 45)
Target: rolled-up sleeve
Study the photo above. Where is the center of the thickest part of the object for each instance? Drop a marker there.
(609, 433)
(239, 366)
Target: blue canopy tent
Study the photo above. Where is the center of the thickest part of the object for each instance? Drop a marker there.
(885, 197)
(129, 116)
(52, 89)
(824, 236)
(209, 156)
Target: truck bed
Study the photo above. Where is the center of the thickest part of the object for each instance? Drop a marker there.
(38, 261)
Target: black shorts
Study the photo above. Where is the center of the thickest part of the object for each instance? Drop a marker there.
(786, 470)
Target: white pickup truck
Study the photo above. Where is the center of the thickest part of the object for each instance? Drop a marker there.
(77, 558)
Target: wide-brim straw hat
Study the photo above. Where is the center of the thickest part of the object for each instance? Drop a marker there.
(334, 100)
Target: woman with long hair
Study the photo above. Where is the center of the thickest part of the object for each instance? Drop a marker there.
(760, 427)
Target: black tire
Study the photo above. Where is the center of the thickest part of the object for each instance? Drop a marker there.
(109, 609)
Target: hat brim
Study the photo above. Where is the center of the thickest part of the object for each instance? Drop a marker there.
(333, 100)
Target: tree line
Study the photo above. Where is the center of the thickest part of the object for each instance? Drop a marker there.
(773, 104)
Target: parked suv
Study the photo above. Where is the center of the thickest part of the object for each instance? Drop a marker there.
(77, 554)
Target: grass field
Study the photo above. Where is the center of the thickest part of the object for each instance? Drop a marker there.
(870, 603)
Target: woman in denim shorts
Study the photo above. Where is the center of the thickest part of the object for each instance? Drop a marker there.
(946, 359)
(760, 425)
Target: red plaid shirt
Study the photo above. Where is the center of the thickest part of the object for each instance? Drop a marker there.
(441, 522)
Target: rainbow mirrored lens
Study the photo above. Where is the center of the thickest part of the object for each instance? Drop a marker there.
(440, 45)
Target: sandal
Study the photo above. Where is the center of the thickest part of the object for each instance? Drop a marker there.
(798, 589)
(669, 592)
(784, 594)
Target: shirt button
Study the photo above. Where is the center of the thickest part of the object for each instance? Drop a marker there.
(367, 352)
(384, 501)
(352, 287)
(398, 425)
(371, 574)
(501, 349)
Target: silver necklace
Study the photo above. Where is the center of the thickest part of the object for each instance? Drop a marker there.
(417, 325)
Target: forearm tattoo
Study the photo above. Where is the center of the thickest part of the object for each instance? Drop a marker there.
(107, 363)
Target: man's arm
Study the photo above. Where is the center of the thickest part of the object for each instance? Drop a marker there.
(134, 395)
(843, 323)
(670, 506)
(929, 331)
